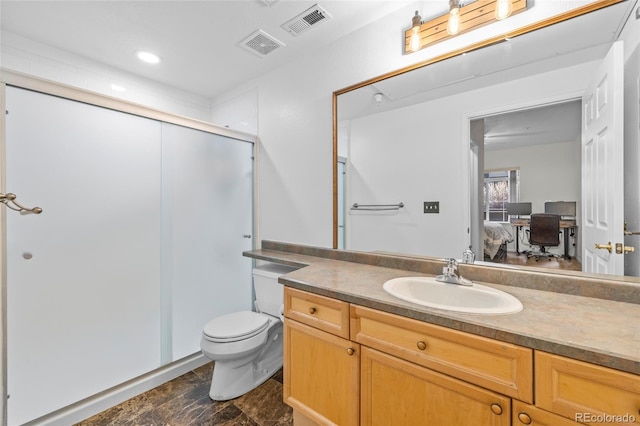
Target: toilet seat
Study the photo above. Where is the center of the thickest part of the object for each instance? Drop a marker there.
(235, 326)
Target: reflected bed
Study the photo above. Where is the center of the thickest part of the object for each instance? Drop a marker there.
(496, 238)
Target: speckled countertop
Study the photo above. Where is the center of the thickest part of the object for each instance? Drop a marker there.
(592, 329)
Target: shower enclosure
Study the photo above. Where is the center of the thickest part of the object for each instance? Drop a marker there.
(138, 245)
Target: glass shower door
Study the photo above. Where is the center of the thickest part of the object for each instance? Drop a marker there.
(207, 193)
(139, 245)
(82, 277)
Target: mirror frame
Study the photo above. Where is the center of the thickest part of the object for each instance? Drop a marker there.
(600, 4)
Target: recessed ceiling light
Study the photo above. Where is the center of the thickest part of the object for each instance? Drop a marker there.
(148, 57)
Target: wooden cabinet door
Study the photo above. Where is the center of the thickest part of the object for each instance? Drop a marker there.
(397, 392)
(587, 393)
(321, 375)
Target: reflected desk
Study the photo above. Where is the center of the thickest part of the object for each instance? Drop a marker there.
(566, 225)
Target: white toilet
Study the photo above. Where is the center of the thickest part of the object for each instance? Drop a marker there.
(247, 346)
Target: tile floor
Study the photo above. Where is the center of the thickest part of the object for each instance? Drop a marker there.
(185, 401)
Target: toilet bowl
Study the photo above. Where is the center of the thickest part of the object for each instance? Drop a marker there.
(246, 346)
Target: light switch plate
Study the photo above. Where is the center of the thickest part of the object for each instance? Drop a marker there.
(432, 206)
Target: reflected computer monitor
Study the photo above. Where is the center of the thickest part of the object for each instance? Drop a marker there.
(519, 209)
(561, 208)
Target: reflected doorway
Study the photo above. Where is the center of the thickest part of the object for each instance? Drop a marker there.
(531, 155)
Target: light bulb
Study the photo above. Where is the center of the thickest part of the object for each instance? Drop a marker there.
(503, 9)
(414, 42)
(453, 27)
(415, 39)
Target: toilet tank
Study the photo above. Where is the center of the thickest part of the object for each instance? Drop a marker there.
(269, 293)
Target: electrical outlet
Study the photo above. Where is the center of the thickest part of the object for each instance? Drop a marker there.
(432, 206)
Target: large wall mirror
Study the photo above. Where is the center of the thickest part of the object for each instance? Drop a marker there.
(450, 154)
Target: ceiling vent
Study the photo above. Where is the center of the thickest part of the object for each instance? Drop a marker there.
(261, 43)
(307, 19)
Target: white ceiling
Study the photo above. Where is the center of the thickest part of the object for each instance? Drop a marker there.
(555, 123)
(198, 41)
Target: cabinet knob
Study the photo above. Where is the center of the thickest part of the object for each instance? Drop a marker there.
(524, 418)
(422, 345)
(351, 351)
(312, 310)
(496, 408)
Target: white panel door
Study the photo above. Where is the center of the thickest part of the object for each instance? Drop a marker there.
(83, 276)
(207, 224)
(602, 166)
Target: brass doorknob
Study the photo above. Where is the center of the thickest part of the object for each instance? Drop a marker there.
(607, 247)
(351, 351)
(421, 345)
(524, 418)
(312, 310)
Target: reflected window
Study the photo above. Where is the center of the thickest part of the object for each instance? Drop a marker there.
(500, 188)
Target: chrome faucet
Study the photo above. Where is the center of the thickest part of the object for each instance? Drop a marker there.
(451, 275)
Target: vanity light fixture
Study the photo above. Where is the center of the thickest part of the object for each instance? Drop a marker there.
(460, 19)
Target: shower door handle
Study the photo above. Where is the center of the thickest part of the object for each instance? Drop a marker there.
(9, 200)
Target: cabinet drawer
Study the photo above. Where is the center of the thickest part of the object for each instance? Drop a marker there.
(317, 311)
(502, 367)
(578, 390)
(525, 414)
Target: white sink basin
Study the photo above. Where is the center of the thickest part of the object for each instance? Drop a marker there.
(477, 298)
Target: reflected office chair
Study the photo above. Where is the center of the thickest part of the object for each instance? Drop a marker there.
(544, 232)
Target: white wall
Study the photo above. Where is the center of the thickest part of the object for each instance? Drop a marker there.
(548, 172)
(238, 113)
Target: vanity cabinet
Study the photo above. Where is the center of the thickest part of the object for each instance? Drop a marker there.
(576, 389)
(321, 368)
(350, 365)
